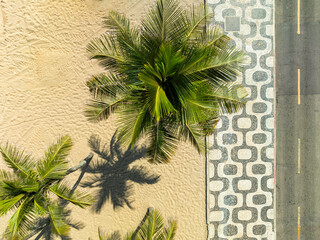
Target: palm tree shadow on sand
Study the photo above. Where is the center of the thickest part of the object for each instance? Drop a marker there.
(44, 230)
(112, 175)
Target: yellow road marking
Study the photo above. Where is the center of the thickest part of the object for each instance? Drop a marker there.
(298, 86)
(299, 143)
(299, 230)
(298, 17)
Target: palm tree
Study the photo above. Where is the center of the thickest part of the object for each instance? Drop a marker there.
(35, 189)
(151, 227)
(168, 79)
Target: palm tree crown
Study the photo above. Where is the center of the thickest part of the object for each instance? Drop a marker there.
(169, 79)
(151, 227)
(34, 189)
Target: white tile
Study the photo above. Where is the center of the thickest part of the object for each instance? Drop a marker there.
(244, 154)
(244, 123)
(216, 216)
(244, 185)
(216, 185)
(244, 215)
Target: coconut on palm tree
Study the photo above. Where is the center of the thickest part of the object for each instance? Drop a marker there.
(151, 227)
(169, 78)
(33, 189)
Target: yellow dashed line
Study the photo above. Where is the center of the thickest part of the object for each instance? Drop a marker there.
(298, 15)
(299, 144)
(299, 228)
(298, 86)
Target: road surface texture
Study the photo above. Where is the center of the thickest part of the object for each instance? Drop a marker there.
(297, 119)
(241, 152)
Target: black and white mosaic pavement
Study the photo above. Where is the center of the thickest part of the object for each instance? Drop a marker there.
(241, 154)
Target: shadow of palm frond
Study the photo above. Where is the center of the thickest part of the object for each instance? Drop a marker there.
(43, 228)
(112, 174)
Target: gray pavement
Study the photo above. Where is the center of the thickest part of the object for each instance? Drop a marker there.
(295, 121)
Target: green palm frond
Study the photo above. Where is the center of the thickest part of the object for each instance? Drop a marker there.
(117, 22)
(104, 49)
(127, 43)
(224, 65)
(120, 24)
(165, 22)
(170, 232)
(197, 20)
(17, 160)
(7, 204)
(194, 135)
(231, 97)
(19, 232)
(30, 186)
(28, 191)
(214, 36)
(7, 176)
(76, 197)
(21, 215)
(11, 188)
(134, 122)
(163, 143)
(58, 220)
(130, 236)
(106, 85)
(153, 226)
(174, 64)
(40, 205)
(98, 109)
(54, 165)
(103, 236)
(158, 103)
(59, 150)
(208, 126)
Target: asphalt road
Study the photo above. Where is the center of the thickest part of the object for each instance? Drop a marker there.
(296, 190)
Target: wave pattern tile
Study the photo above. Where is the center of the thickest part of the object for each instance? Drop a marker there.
(241, 152)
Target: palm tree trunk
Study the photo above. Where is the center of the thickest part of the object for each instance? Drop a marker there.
(84, 162)
(142, 222)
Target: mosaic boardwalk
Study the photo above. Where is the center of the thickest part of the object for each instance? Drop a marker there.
(241, 152)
